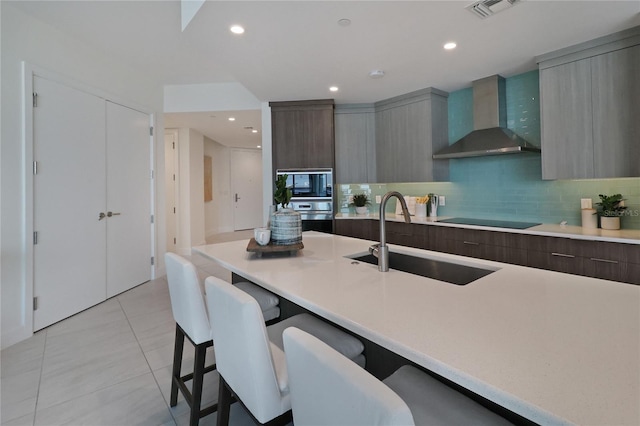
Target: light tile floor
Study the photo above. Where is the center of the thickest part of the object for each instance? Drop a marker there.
(108, 365)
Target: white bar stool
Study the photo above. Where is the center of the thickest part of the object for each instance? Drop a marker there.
(192, 321)
(352, 396)
(251, 365)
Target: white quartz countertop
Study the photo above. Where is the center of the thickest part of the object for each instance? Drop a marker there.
(554, 348)
(628, 236)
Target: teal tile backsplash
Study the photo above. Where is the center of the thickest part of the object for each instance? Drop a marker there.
(507, 187)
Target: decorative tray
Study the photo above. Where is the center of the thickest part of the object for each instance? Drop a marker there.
(254, 247)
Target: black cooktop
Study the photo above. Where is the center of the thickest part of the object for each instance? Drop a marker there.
(490, 222)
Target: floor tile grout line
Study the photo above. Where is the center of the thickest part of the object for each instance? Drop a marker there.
(100, 388)
(44, 353)
(147, 361)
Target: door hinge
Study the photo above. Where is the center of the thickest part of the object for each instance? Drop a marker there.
(35, 238)
(151, 174)
(151, 218)
(174, 210)
(35, 100)
(174, 177)
(152, 260)
(173, 145)
(35, 167)
(174, 241)
(35, 303)
(150, 131)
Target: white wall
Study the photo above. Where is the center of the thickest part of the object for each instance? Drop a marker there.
(196, 158)
(267, 161)
(191, 186)
(27, 39)
(219, 211)
(209, 97)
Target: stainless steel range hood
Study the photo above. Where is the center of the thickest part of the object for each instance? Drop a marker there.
(490, 135)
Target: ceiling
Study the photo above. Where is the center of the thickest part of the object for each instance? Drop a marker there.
(216, 126)
(294, 50)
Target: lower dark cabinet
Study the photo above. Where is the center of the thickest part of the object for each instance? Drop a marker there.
(358, 228)
(622, 271)
(555, 261)
(598, 259)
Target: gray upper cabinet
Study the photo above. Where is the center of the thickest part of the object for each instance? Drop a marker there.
(567, 139)
(408, 130)
(616, 113)
(355, 143)
(589, 106)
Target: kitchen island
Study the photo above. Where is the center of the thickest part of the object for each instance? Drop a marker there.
(554, 348)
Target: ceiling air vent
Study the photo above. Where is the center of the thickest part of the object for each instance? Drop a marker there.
(486, 8)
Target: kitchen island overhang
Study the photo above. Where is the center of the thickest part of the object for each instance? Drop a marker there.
(551, 347)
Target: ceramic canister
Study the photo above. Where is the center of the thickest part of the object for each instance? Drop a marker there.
(286, 227)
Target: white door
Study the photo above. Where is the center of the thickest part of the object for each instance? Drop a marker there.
(246, 187)
(128, 198)
(69, 194)
(171, 196)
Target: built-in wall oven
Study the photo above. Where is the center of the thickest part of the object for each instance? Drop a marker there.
(312, 197)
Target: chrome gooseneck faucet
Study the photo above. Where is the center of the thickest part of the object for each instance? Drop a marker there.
(381, 250)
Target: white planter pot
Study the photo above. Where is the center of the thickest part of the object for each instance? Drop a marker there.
(362, 210)
(609, 222)
(286, 227)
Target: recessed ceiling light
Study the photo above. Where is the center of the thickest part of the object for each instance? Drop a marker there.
(450, 45)
(254, 131)
(344, 22)
(333, 88)
(258, 146)
(237, 29)
(232, 119)
(376, 74)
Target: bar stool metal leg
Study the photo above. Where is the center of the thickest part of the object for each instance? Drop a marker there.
(196, 389)
(224, 403)
(177, 362)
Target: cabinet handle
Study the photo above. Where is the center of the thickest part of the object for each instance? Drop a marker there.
(562, 255)
(471, 243)
(595, 259)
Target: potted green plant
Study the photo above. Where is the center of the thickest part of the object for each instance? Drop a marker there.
(610, 208)
(282, 194)
(286, 224)
(360, 201)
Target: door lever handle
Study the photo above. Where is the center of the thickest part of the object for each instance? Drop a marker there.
(101, 216)
(237, 198)
(109, 214)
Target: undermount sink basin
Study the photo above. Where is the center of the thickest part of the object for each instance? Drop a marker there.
(449, 272)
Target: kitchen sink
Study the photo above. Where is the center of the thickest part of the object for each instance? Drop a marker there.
(449, 272)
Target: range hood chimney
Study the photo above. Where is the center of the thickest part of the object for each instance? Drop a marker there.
(490, 135)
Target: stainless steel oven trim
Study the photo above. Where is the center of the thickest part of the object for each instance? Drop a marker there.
(312, 212)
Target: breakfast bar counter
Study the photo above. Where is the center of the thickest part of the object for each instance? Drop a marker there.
(554, 348)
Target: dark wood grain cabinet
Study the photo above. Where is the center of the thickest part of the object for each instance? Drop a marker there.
(489, 245)
(303, 134)
(598, 259)
(555, 254)
(365, 229)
